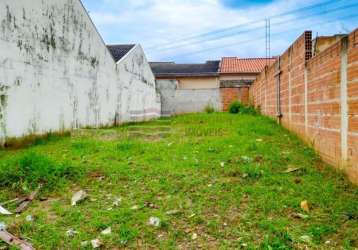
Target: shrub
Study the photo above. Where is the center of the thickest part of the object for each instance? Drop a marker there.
(209, 109)
(248, 110)
(238, 108)
(33, 169)
(235, 107)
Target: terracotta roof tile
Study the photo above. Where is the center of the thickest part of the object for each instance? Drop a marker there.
(244, 65)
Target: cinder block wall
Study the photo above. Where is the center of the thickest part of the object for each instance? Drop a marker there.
(317, 98)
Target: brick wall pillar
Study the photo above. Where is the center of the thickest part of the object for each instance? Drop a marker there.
(344, 100)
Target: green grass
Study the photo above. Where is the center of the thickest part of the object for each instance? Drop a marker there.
(223, 174)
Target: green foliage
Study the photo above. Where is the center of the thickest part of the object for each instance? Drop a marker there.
(235, 107)
(248, 110)
(125, 146)
(33, 169)
(209, 109)
(220, 172)
(239, 108)
(319, 231)
(126, 235)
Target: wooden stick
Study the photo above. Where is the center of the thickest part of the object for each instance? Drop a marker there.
(8, 202)
(14, 241)
(27, 201)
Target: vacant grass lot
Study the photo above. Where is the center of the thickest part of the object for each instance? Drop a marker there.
(215, 181)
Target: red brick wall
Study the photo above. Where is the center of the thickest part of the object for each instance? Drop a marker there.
(229, 95)
(312, 98)
(352, 88)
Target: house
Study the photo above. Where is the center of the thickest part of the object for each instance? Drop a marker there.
(236, 75)
(187, 88)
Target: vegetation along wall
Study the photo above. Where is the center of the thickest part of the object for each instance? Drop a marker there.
(316, 97)
(57, 74)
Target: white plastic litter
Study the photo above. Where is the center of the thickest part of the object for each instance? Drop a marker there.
(4, 211)
(154, 221)
(79, 196)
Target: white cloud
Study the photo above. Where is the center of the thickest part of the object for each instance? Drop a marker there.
(159, 23)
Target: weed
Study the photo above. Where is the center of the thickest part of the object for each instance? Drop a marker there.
(248, 110)
(33, 169)
(239, 108)
(209, 109)
(126, 235)
(321, 230)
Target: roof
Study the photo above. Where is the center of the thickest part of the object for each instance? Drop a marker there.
(120, 50)
(232, 65)
(171, 69)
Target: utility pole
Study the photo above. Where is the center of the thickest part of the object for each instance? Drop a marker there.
(268, 39)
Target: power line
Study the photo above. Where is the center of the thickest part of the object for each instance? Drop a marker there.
(263, 37)
(218, 31)
(324, 12)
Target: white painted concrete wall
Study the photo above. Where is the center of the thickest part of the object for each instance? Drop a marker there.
(57, 74)
(138, 97)
(179, 101)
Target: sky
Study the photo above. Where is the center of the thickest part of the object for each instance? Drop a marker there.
(194, 31)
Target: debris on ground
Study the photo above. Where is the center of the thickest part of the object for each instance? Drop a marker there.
(107, 231)
(300, 216)
(84, 243)
(43, 198)
(305, 206)
(96, 243)
(71, 233)
(298, 180)
(135, 207)
(10, 201)
(12, 240)
(259, 158)
(154, 221)
(222, 164)
(305, 238)
(29, 218)
(150, 205)
(4, 211)
(173, 212)
(291, 169)
(259, 140)
(194, 236)
(2, 226)
(117, 202)
(77, 197)
(26, 201)
(246, 159)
